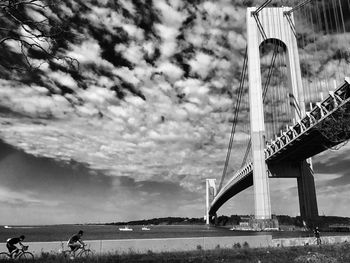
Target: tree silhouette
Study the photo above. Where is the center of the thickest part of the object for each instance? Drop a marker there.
(29, 34)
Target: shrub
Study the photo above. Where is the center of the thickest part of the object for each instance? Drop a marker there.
(237, 245)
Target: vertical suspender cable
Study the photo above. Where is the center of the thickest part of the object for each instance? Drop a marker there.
(342, 16)
(338, 31)
(315, 80)
(325, 16)
(335, 13)
(330, 18)
(347, 56)
(323, 31)
(328, 26)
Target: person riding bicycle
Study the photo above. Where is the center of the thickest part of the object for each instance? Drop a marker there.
(11, 242)
(75, 241)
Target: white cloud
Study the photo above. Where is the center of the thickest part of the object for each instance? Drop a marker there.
(128, 5)
(88, 52)
(133, 31)
(193, 87)
(168, 35)
(33, 100)
(170, 70)
(127, 75)
(170, 16)
(14, 45)
(131, 52)
(63, 79)
(201, 64)
(87, 110)
(97, 95)
(236, 40)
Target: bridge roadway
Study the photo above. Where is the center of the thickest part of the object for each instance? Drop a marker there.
(299, 142)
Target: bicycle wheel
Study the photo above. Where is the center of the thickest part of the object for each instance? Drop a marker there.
(86, 254)
(26, 256)
(4, 256)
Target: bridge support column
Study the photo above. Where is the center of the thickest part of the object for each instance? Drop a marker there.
(210, 194)
(306, 185)
(307, 192)
(257, 124)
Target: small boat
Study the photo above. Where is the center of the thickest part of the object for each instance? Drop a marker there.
(145, 228)
(7, 227)
(125, 228)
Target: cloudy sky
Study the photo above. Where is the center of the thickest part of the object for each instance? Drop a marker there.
(134, 131)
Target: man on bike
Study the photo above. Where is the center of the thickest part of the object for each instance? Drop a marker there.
(11, 242)
(75, 241)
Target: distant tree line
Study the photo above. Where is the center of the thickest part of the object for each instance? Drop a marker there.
(323, 222)
(164, 221)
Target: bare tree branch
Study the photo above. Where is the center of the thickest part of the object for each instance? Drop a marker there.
(19, 25)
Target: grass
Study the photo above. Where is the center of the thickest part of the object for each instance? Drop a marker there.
(339, 253)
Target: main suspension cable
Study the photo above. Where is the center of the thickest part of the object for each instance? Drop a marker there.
(235, 119)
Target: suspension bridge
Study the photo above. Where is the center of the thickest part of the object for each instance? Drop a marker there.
(295, 92)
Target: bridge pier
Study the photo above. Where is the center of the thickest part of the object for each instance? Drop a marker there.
(307, 192)
(302, 171)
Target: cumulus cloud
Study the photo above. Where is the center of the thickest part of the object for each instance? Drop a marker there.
(170, 70)
(170, 16)
(131, 52)
(63, 79)
(201, 64)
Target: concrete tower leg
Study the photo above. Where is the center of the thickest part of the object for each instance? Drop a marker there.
(210, 194)
(307, 192)
(257, 124)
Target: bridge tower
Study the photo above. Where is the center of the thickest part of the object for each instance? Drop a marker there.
(210, 194)
(265, 25)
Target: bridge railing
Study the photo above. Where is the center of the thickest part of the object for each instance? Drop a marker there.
(322, 110)
(238, 176)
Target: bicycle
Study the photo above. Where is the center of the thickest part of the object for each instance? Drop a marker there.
(81, 252)
(22, 254)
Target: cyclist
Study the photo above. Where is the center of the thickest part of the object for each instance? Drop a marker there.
(75, 241)
(11, 242)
